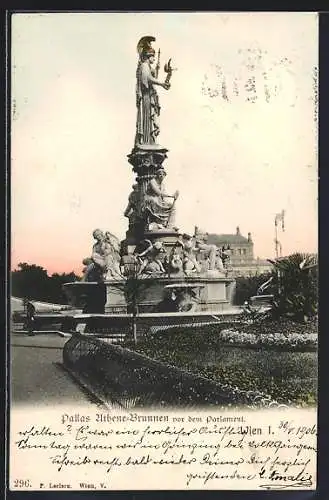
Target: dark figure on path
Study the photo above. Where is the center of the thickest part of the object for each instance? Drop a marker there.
(30, 318)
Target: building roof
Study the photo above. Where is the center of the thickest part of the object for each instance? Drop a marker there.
(262, 262)
(254, 263)
(220, 239)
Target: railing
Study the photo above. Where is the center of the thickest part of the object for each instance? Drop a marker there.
(129, 378)
(45, 322)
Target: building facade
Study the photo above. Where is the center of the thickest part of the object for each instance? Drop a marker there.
(242, 253)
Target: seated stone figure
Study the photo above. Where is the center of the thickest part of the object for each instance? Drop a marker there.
(104, 262)
(218, 261)
(226, 257)
(156, 207)
(112, 257)
(132, 211)
(190, 264)
(206, 252)
(95, 265)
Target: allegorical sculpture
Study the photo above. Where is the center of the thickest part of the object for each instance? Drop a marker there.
(156, 205)
(112, 257)
(225, 253)
(94, 269)
(150, 208)
(188, 254)
(147, 100)
(133, 208)
(104, 263)
(153, 246)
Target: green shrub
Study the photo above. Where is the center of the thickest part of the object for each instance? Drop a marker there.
(247, 286)
(296, 285)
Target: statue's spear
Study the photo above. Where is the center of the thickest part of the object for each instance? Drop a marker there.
(157, 68)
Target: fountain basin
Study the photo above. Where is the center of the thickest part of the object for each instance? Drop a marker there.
(212, 294)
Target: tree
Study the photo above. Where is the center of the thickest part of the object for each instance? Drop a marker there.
(57, 281)
(134, 288)
(32, 282)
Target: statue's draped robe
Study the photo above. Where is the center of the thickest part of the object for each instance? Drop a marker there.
(148, 109)
(112, 256)
(159, 208)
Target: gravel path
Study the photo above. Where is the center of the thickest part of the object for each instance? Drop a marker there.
(36, 374)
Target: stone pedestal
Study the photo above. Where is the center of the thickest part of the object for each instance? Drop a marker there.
(167, 237)
(146, 160)
(214, 294)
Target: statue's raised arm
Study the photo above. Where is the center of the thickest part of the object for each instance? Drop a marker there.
(147, 100)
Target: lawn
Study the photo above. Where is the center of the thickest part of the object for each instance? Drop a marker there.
(276, 358)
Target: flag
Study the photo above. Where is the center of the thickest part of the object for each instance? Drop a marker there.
(280, 218)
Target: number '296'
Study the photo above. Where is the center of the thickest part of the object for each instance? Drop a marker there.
(22, 483)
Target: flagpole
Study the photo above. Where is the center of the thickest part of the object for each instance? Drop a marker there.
(278, 217)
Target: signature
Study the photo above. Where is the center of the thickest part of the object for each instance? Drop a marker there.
(296, 484)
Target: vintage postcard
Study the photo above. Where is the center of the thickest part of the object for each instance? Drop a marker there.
(164, 280)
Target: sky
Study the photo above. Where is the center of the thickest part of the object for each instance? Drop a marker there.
(239, 122)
